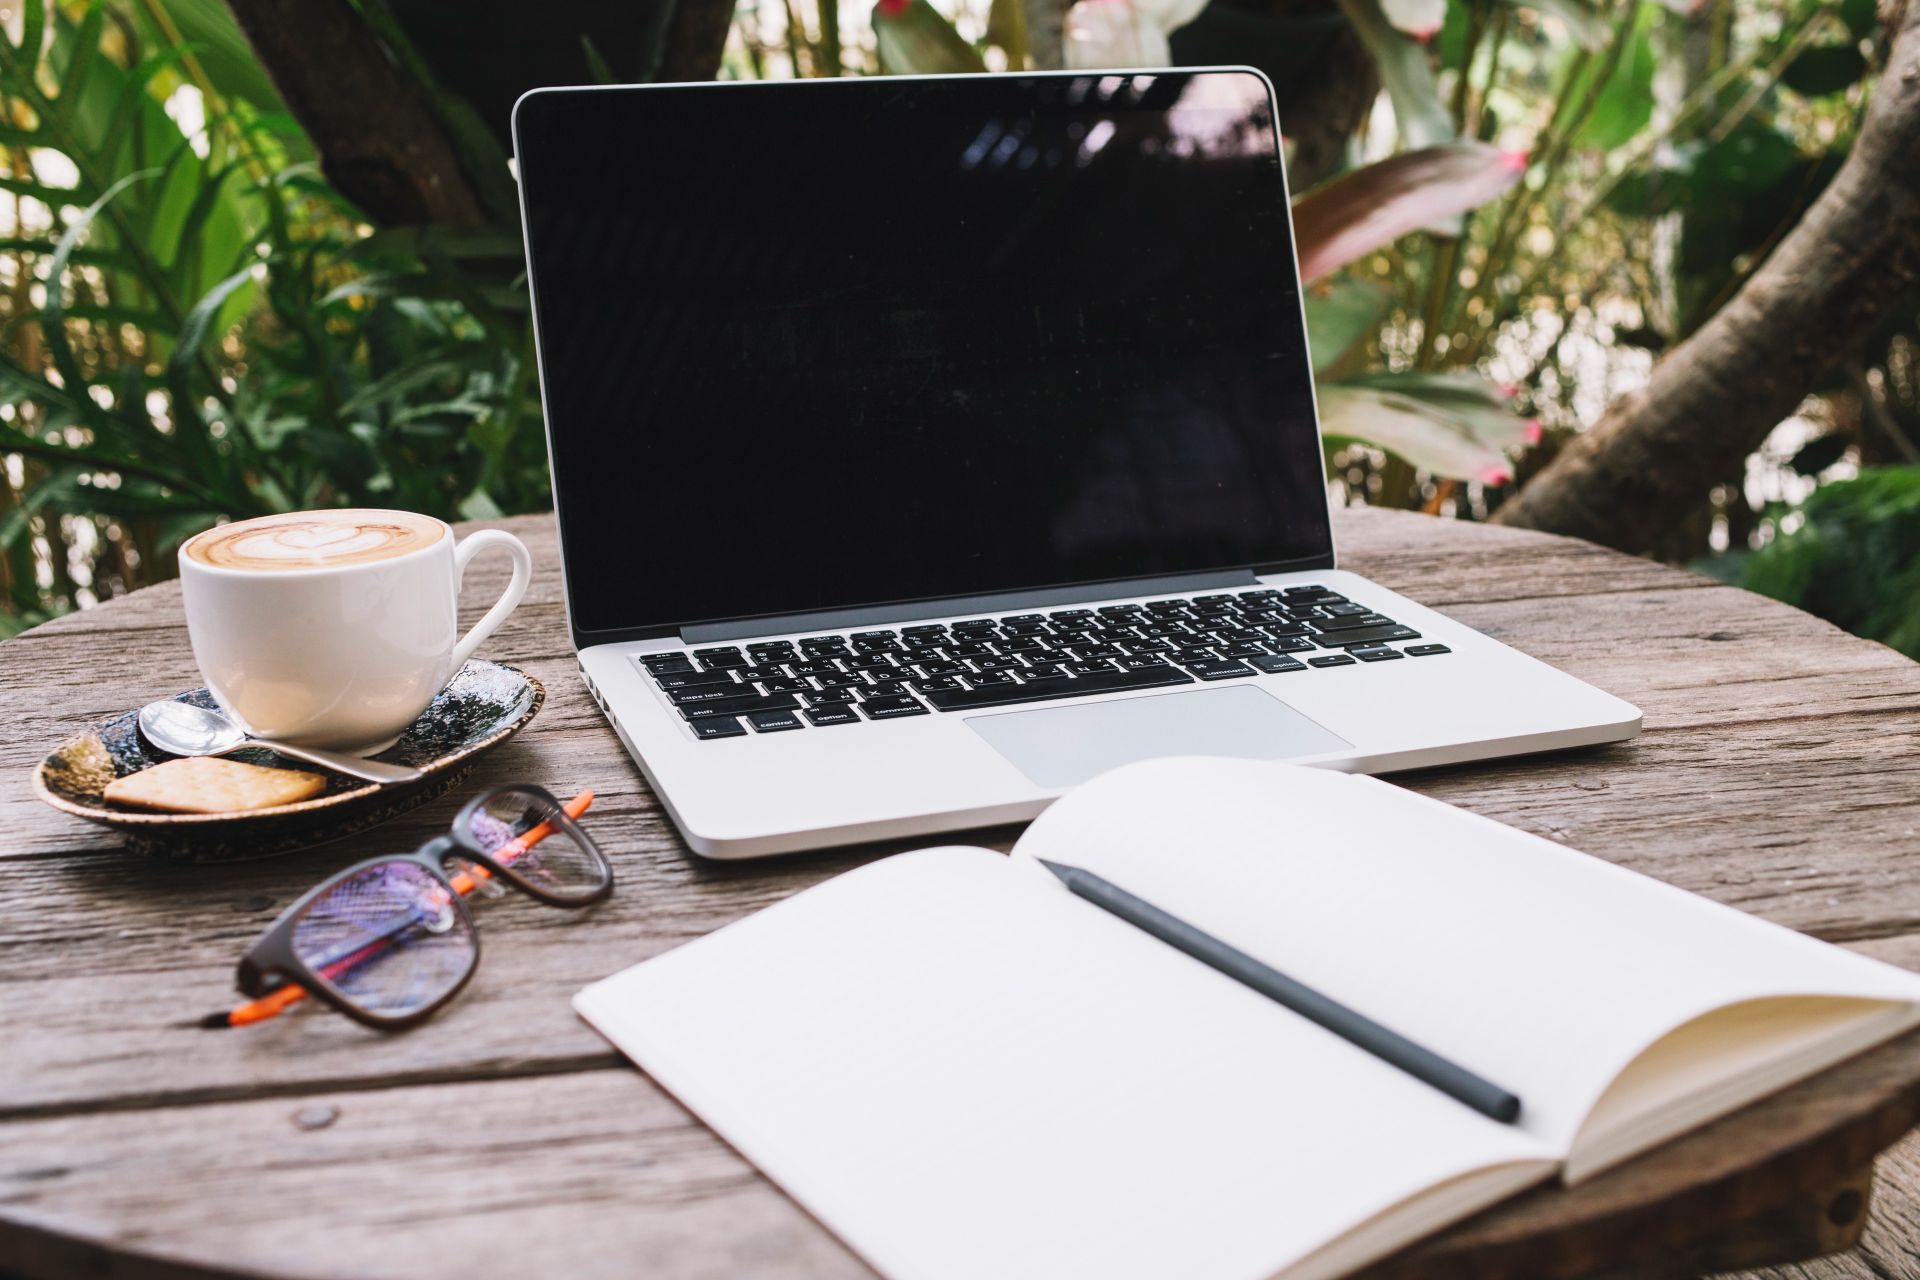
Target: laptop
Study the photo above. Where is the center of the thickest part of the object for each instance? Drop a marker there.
(924, 446)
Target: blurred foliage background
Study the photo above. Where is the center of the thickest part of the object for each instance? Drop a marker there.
(264, 255)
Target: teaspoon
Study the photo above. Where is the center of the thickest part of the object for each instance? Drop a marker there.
(182, 729)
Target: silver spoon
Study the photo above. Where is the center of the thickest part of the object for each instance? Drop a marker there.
(182, 729)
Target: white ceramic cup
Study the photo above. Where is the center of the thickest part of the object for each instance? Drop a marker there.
(340, 656)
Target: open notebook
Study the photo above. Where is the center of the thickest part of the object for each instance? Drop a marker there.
(963, 1070)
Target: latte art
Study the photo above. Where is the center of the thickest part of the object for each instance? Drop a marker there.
(314, 540)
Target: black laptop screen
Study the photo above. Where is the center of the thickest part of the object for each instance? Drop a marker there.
(818, 345)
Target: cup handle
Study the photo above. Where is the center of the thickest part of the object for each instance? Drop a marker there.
(509, 599)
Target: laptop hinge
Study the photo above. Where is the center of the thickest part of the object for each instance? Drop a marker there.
(1046, 597)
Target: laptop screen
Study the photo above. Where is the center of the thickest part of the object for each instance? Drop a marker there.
(835, 343)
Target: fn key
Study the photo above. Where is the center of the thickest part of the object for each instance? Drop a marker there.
(718, 727)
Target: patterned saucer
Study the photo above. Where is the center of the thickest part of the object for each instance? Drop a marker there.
(487, 703)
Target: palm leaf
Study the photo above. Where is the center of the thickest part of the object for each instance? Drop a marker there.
(1368, 208)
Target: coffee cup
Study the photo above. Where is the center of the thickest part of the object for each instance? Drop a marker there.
(335, 629)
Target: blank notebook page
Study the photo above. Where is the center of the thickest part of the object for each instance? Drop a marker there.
(1541, 968)
(966, 1072)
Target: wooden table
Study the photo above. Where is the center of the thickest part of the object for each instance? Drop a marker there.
(1778, 772)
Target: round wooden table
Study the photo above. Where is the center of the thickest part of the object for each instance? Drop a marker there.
(1778, 772)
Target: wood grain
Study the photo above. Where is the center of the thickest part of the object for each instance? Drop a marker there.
(1777, 772)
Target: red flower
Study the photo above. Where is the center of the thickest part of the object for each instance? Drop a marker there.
(894, 8)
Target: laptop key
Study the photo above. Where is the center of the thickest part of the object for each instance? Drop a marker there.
(1331, 660)
(663, 662)
(1352, 622)
(1222, 669)
(1368, 635)
(783, 684)
(739, 706)
(881, 690)
(989, 679)
(691, 679)
(1427, 650)
(937, 682)
(837, 713)
(1141, 662)
(729, 692)
(828, 697)
(718, 727)
(891, 708)
(1376, 653)
(1274, 664)
(773, 721)
(1049, 687)
(1243, 650)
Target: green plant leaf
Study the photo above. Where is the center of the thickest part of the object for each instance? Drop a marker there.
(1365, 209)
(596, 65)
(56, 198)
(1625, 103)
(223, 52)
(86, 46)
(1340, 316)
(53, 319)
(1423, 119)
(33, 29)
(911, 38)
(1452, 425)
(199, 320)
(1855, 559)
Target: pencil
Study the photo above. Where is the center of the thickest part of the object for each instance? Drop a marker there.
(1423, 1064)
(465, 882)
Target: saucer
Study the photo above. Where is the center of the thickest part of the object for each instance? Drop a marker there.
(486, 703)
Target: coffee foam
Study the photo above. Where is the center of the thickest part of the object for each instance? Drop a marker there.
(314, 540)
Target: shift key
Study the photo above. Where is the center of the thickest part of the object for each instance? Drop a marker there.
(740, 705)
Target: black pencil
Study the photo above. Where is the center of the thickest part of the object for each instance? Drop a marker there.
(1450, 1078)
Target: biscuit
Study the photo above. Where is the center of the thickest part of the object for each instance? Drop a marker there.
(204, 785)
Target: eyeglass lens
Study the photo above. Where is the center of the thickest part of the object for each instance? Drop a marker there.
(389, 938)
(527, 834)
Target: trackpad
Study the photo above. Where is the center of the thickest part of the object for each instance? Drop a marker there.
(1064, 746)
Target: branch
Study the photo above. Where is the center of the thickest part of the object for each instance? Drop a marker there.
(1713, 400)
(378, 139)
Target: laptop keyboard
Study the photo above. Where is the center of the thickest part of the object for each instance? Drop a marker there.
(821, 681)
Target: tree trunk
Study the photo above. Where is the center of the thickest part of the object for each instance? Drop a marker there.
(1717, 395)
(696, 39)
(378, 140)
(1324, 80)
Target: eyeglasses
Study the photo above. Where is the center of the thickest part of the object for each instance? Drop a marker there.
(388, 941)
